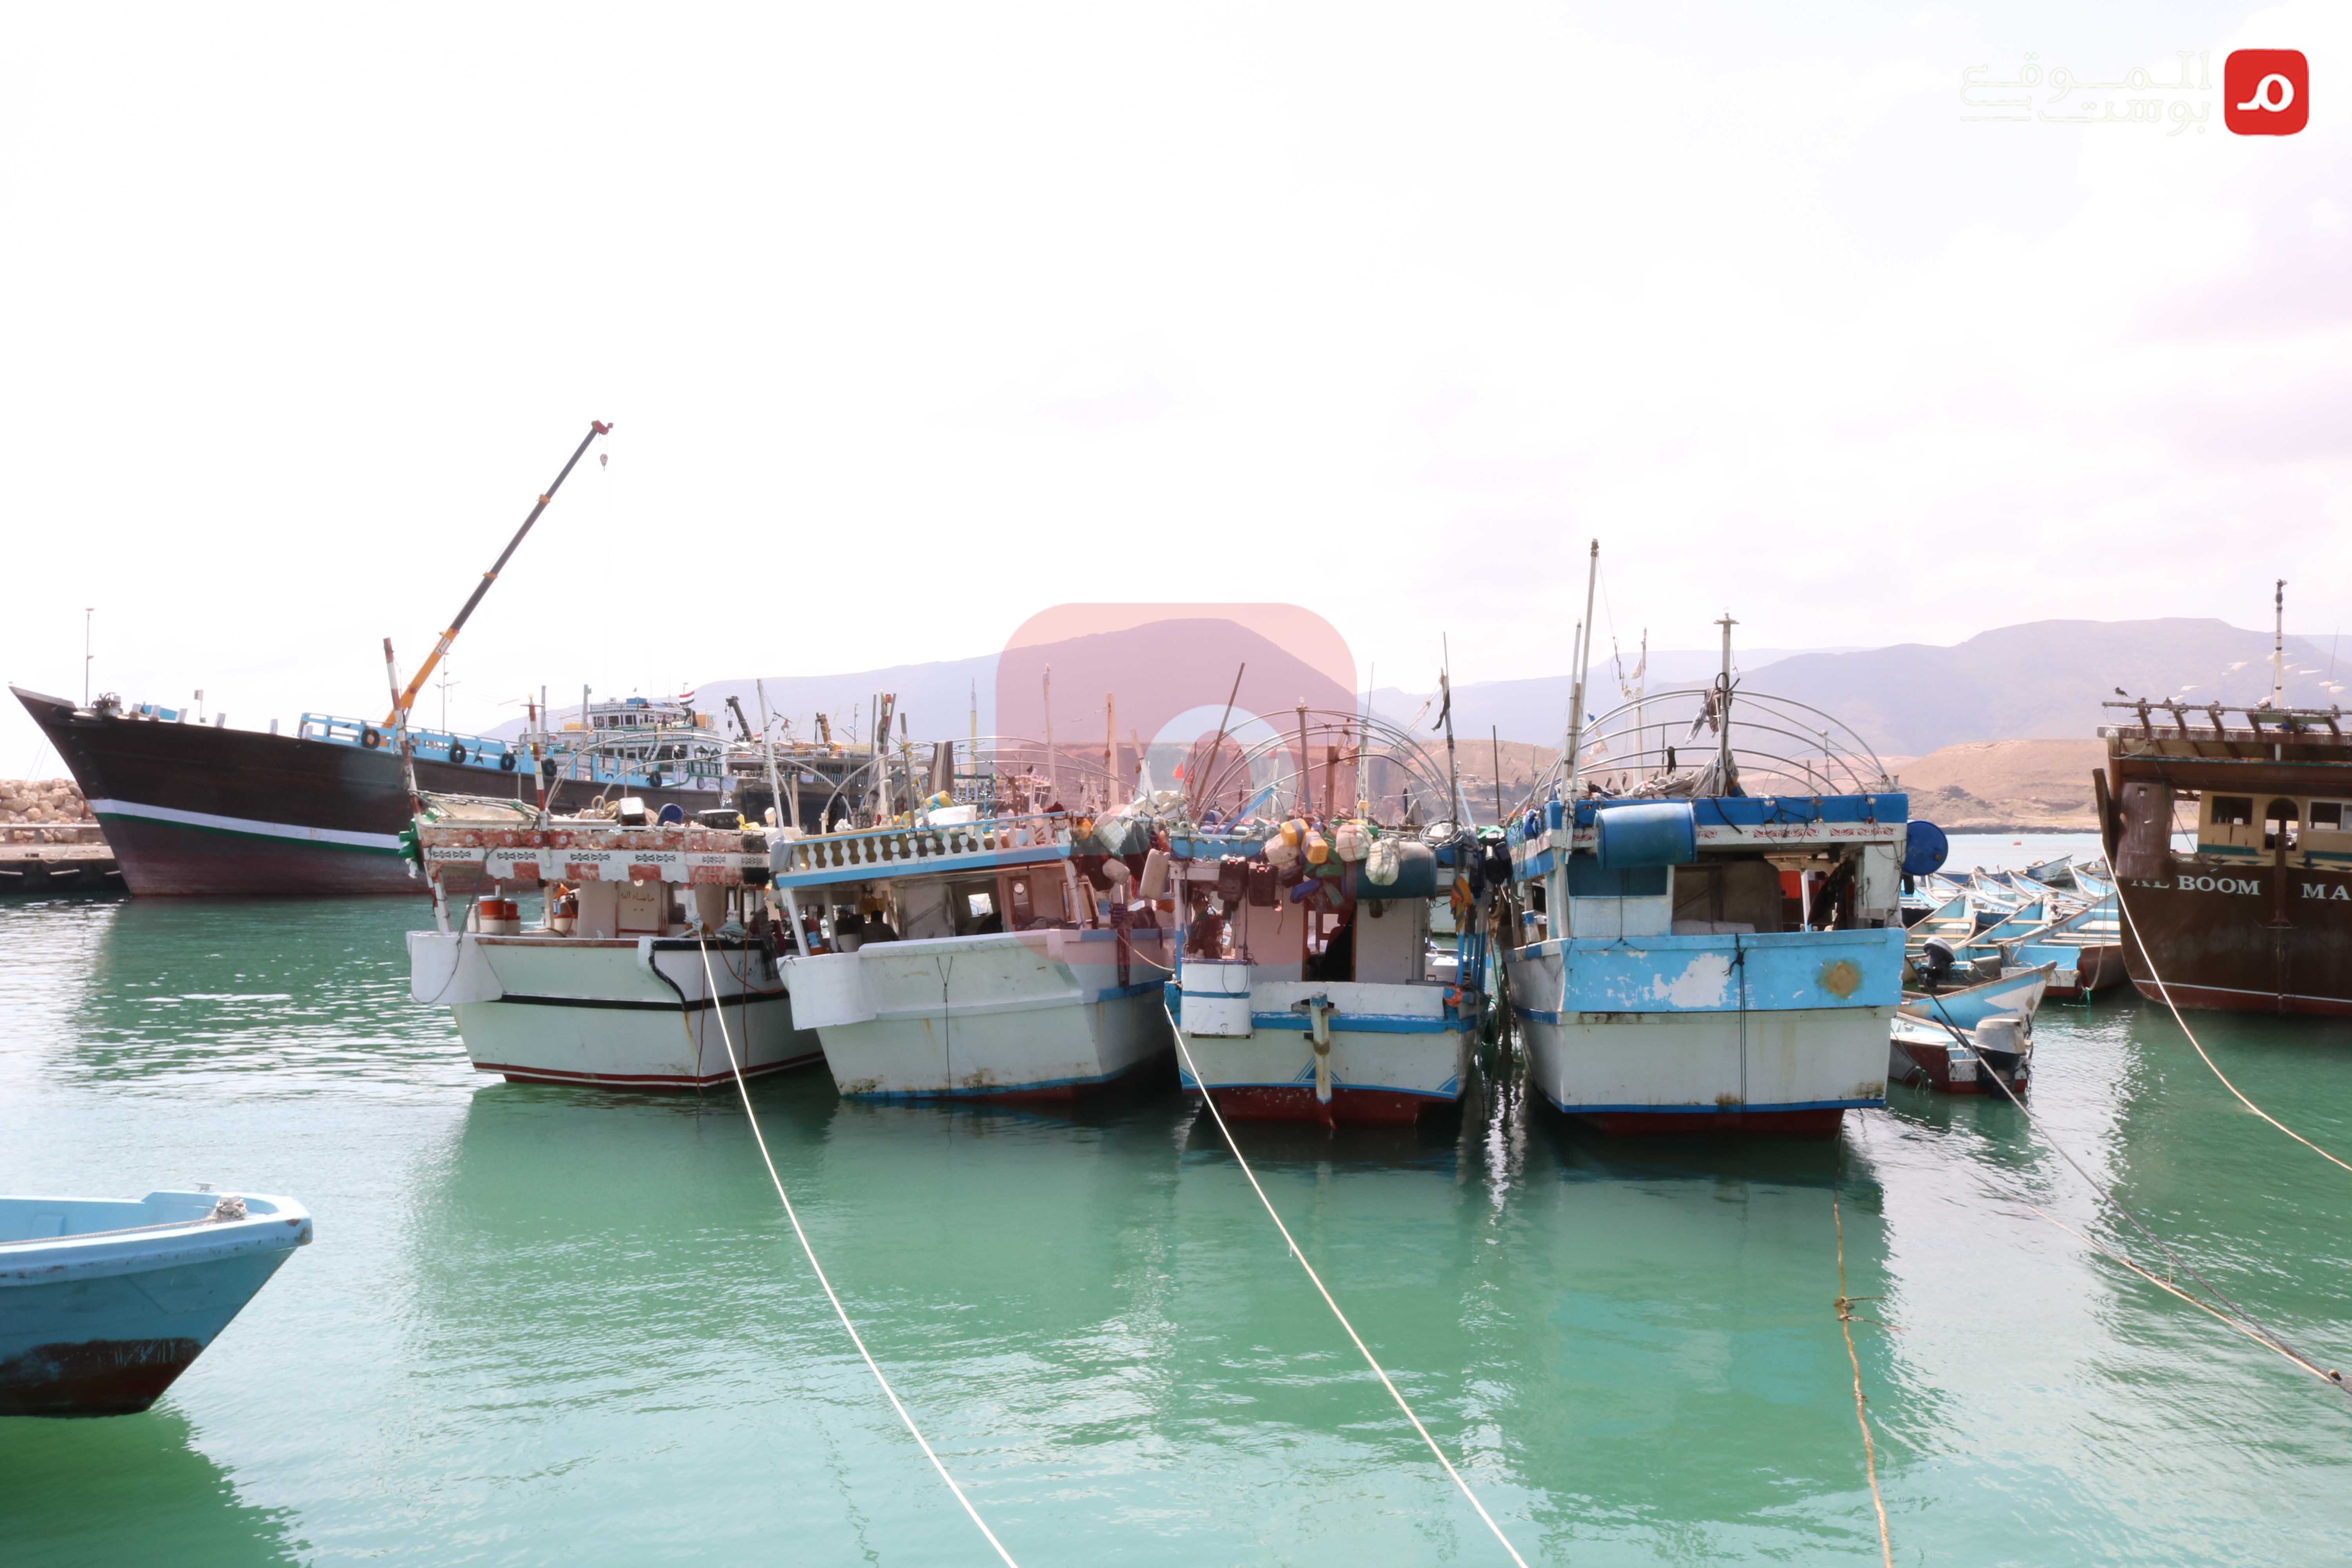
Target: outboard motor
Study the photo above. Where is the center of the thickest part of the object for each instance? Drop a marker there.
(1934, 962)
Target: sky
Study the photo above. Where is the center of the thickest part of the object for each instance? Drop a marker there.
(913, 321)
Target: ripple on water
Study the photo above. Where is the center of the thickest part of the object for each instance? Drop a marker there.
(553, 1324)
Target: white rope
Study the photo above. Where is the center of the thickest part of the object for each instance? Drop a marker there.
(1366, 1350)
(818, 1268)
(2165, 992)
(2237, 1317)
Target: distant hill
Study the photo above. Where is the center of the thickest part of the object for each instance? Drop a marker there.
(1985, 787)
(2041, 680)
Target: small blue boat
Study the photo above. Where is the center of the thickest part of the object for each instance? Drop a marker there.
(2016, 993)
(105, 1301)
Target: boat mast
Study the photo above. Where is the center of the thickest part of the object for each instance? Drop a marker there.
(1572, 747)
(1723, 715)
(1445, 717)
(768, 744)
(2278, 643)
(401, 700)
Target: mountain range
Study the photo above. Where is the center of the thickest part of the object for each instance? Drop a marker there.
(2041, 679)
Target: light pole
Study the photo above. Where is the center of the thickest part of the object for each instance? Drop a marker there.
(89, 611)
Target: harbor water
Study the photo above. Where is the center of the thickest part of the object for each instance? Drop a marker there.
(550, 1325)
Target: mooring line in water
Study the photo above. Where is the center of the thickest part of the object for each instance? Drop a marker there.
(1846, 1326)
(818, 1268)
(2165, 992)
(1239, 1159)
(2237, 1317)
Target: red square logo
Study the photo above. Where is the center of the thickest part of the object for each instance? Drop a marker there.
(2266, 92)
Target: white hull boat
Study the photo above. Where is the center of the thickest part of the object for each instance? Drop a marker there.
(654, 956)
(967, 959)
(1009, 1015)
(634, 1013)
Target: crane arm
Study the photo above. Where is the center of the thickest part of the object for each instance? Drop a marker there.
(417, 682)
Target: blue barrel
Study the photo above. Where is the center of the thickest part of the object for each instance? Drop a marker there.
(1553, 814)
(1659, 833)
(1416, 874)
(1924, 849)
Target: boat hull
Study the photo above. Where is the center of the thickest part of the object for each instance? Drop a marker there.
(102, 1325)
(191, 810)
(1941, 1067)
(2259, 939)
(1776, 1035)
(623, 1014)
(1396, 1050)
(1010, 1016)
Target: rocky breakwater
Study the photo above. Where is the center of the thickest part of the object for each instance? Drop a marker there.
(42, 802)
(48, 840)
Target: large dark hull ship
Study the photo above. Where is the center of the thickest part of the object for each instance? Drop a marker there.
(2258, 917)
(192, 809)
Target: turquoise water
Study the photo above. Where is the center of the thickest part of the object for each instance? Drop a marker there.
(542, 1325)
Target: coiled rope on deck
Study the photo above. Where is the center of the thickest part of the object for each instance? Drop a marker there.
(818, 1268)
(2165, 993)
(1288, 1240)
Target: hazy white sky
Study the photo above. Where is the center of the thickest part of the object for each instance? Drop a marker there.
(914, 321)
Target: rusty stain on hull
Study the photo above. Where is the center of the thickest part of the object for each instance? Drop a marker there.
(95, 1377)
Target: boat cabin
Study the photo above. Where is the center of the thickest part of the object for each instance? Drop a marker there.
(941, 879)
(1713, 866)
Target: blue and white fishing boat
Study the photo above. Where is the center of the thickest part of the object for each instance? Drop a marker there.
(105, 1301)
(1714, 940)
(1308, 988)
(2015, 994)
(2086, 945)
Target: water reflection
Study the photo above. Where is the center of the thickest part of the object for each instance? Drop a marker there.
(109, 1491)
(307, 992)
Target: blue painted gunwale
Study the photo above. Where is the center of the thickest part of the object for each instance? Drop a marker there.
(1771, 972)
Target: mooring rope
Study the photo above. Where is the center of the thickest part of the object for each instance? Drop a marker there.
(818, 1268)
(2237, 1317)
(2165, 992)
(1239, 1159)
(1846, 1326)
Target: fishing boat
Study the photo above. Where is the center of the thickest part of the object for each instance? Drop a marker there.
(2052, 873)
(2085, 943)
(104, 1302)
(653, 965)
(949, 954)
(1961, 1060)
(2015, 994)
(1308, 987)
(1720, 946)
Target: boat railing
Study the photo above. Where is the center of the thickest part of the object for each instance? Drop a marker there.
(2204, 721)
(427, 742)
(895, 850)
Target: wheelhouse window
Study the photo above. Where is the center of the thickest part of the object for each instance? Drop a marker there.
(2327, 816)
(2230, 811)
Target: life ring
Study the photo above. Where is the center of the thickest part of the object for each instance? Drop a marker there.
(456, 752)
(506, 762)
(370, 738)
